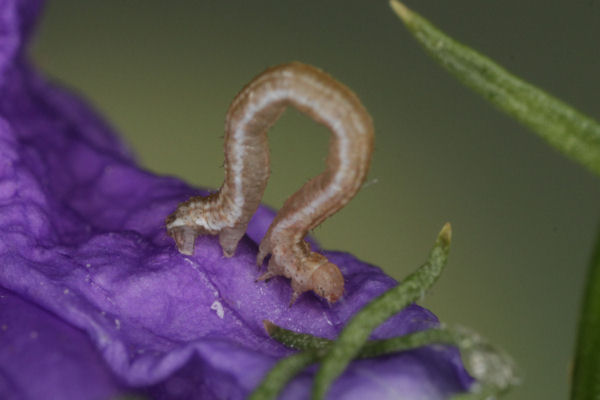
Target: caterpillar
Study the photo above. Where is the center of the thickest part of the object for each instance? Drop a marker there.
(227, 212)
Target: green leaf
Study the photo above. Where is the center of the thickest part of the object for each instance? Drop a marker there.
(494, 370)
(357, 331)
(281, 373)
(568, 130)
(586, 374)
(373, 348)
(295, 340)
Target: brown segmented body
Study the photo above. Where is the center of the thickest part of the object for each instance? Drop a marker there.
(227, 213)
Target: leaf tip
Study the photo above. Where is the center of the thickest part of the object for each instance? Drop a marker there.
(401, 10)
(445, 235)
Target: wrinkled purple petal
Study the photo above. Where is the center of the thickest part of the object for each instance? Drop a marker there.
(35, 343)
(96, 301)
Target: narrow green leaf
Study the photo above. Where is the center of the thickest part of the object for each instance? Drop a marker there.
(494, 370)
(373, 348)
(586, 374)
(571, 132)
(295, 340)
(283, 372)
(357, 331)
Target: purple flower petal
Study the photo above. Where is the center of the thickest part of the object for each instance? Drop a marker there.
(39, 347)
(95, 300)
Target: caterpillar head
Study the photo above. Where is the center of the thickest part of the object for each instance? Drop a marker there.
(327, 281)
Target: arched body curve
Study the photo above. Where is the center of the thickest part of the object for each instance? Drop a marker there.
(227, 213)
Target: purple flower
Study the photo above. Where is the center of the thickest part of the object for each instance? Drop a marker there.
(95, 299)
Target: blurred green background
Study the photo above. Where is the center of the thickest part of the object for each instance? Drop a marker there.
(524, 218)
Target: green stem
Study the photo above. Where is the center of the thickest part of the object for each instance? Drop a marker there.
(357, 331)
(586, 374)
(568, 130)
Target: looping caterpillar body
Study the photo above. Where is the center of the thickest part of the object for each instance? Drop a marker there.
(227, 212)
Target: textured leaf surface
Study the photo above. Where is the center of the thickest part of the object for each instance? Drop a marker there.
(568, 130)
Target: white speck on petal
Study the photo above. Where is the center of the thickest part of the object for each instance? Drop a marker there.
(327, 319)
(218, 307)
(33, 334)
(66, 291)
(4, 327)
(117, 323)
